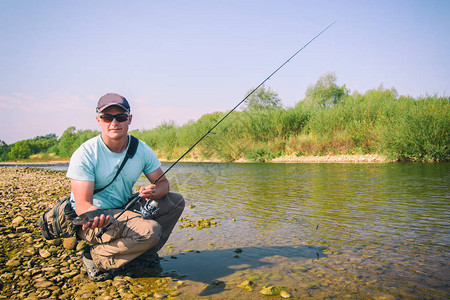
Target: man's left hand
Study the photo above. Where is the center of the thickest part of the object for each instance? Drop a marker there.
(148, 192)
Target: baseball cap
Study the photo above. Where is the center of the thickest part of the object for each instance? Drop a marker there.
(112, 99)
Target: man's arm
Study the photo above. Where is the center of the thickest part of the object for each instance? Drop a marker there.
(157, 191)
(83, 192)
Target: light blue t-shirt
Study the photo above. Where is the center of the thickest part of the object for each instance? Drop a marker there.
(93, 161)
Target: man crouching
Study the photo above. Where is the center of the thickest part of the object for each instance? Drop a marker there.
(98, 187)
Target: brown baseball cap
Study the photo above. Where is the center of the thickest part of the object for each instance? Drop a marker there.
(112, 99)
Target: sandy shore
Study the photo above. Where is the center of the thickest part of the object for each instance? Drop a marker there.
(368, 158)
(347, 158)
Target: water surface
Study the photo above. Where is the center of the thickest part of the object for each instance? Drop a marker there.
(322, 230)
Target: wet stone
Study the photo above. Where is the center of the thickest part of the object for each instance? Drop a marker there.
(159, 295)
(247, 285)
(273, 290)
(285, 294)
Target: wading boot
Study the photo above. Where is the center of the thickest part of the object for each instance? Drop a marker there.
(92, 270)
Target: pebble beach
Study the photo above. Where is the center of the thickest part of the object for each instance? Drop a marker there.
(33, 268)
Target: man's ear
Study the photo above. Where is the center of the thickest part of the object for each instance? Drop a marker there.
(129, 119)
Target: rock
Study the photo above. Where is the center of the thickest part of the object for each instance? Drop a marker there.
(71, 274)
(159, 295)
(43, 284)
(6, 276)
(44, 294)
(29, 252)
(90, 287)
(181, 283)
(17, 220)
(13, 263)
(55, 242)
(21, 229)
(273, 290)
(70, 243)
(49, 270)
(44, 253)
(39, 245)
(218, 283)
(31, 263)
(285, 294)
(247, 285)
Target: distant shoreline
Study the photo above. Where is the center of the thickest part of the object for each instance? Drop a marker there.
(346, 158)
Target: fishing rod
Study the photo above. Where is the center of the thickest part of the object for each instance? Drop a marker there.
(138, 196)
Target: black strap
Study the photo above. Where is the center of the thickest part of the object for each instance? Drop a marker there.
(130, 153)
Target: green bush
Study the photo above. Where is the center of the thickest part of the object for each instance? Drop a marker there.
(421, 130)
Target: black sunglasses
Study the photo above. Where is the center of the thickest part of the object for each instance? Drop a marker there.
(109, 118)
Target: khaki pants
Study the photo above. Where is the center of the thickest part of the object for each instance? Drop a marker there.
(131, 236)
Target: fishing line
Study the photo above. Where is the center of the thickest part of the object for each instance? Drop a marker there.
(138, 197)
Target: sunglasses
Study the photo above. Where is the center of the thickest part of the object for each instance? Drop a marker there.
(109, 118)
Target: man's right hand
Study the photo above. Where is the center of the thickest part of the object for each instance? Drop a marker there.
(98, 221)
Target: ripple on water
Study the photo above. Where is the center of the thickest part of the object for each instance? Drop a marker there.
(368, 230)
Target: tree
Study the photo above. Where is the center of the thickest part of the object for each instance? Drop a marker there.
(4, 150)
(21, 150)
(66, 142)
(262, 98)
(325, 92)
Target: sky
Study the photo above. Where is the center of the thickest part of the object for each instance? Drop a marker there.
(177, 60)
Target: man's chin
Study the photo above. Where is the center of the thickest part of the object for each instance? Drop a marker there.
(116, 135)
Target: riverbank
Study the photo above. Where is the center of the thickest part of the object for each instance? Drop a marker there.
(33, 268)
(368, 158)
(37, 162)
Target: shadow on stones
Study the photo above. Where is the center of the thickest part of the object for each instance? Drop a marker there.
(210, 265)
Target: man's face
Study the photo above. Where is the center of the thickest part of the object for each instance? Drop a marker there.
(114, 129)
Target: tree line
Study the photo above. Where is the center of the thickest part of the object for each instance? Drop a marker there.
(48, 146)
(329, 120)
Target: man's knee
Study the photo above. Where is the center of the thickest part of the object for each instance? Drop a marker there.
(148, 231)
(177, 200)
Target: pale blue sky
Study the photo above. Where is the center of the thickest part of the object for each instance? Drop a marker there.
(176, 60)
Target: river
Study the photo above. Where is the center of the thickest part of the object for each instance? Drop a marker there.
(321, 230)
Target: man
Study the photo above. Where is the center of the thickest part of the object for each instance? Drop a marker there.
(93, 166)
